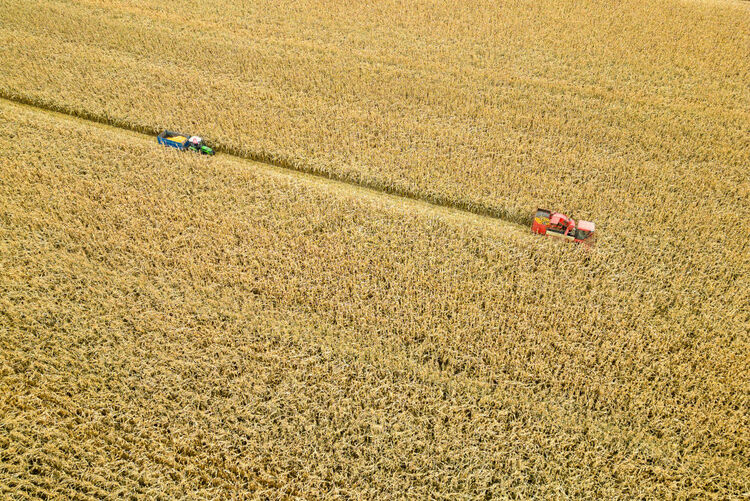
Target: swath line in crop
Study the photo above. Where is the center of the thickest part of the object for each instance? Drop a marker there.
(477, 209)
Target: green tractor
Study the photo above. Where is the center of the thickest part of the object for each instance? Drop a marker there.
(195, 143)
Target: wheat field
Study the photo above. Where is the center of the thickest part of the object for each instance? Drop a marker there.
(173, 326)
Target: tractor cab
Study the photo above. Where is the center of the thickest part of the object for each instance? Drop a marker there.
(561, 224)
(585, 231)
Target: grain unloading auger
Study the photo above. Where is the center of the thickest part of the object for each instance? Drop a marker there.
(556, 224)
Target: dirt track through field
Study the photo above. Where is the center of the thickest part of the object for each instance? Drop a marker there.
(276, 162)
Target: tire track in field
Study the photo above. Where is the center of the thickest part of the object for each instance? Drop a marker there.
(281, 162)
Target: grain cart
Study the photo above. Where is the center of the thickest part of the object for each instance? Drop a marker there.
(184, 142)
(556, 224)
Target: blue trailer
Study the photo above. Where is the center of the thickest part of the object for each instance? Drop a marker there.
(183, 142)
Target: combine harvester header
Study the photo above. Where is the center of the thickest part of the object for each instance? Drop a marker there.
(556, 224)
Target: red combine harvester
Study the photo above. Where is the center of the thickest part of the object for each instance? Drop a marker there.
(556, 224)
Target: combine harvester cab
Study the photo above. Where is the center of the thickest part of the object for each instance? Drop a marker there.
(183, 142)
(556, 224)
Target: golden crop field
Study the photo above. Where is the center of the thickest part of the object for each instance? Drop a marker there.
(568, 103)
(181, 326)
